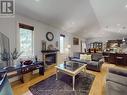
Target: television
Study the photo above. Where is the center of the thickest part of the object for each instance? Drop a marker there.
(4, 51)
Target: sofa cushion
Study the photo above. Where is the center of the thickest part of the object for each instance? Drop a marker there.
(82, 56)
(85, 57)
(117, 79)
(113, 88)
(76, 55)
(94, 63)
(78, 60)
(96, 56)
(118, 71)
(88, 57)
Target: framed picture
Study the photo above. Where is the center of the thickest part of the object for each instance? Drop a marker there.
(75, 41)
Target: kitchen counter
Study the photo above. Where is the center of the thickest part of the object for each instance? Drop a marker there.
(115, 52)
(115, 58)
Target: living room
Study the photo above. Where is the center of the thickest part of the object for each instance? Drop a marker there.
(63, 47)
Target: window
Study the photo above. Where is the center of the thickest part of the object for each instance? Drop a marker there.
(62, 43)
(26, 40)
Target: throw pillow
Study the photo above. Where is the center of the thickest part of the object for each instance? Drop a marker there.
(82, 56)
(88, 57)
(85, 57)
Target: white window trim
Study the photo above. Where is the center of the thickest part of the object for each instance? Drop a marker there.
(18, 44)
(63, 45)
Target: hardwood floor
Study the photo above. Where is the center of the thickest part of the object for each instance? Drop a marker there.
(96, 89)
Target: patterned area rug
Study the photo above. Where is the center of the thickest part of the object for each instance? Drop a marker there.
(63, 86)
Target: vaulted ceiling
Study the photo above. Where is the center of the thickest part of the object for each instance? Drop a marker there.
(87, 18)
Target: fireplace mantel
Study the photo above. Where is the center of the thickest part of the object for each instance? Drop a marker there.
(49, 51)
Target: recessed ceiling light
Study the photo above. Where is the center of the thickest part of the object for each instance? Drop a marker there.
(118, 24)
(37, 0)
(72, 23)
(125, 6)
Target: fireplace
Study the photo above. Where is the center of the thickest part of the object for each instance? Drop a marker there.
(49, 57)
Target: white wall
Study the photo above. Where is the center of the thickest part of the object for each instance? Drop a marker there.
(9, 26)
(76, 48)
(40, 30)
(40, 34)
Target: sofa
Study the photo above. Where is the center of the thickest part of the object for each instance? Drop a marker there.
(94, 64)
(116, 82)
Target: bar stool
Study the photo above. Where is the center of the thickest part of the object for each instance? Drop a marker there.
(119, 60)
(106, 57)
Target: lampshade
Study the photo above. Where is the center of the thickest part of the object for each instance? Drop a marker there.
(68, 46)
(123, 40)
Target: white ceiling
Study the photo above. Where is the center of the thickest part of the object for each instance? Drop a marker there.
(88, 18)
(111, 15)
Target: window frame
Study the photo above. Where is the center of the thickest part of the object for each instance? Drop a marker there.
(61, 35)
(18, 37)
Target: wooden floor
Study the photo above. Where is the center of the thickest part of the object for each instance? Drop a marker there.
(96, 89)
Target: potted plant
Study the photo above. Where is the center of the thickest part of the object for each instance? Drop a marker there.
(5, 56)
(15, 55)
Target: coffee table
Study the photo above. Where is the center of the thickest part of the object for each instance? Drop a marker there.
(70, 68)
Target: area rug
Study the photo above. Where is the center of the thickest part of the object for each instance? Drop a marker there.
(63, 86)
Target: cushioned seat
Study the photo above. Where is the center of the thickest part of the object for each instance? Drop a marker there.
(117, 79)
(118, 71)
(94, 63)
(116, 82)
(113, 88)
(79, 60)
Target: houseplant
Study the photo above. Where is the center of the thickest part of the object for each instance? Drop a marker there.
(15, 55)
(5, 56)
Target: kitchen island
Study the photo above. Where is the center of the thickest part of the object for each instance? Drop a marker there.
(115, 58)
